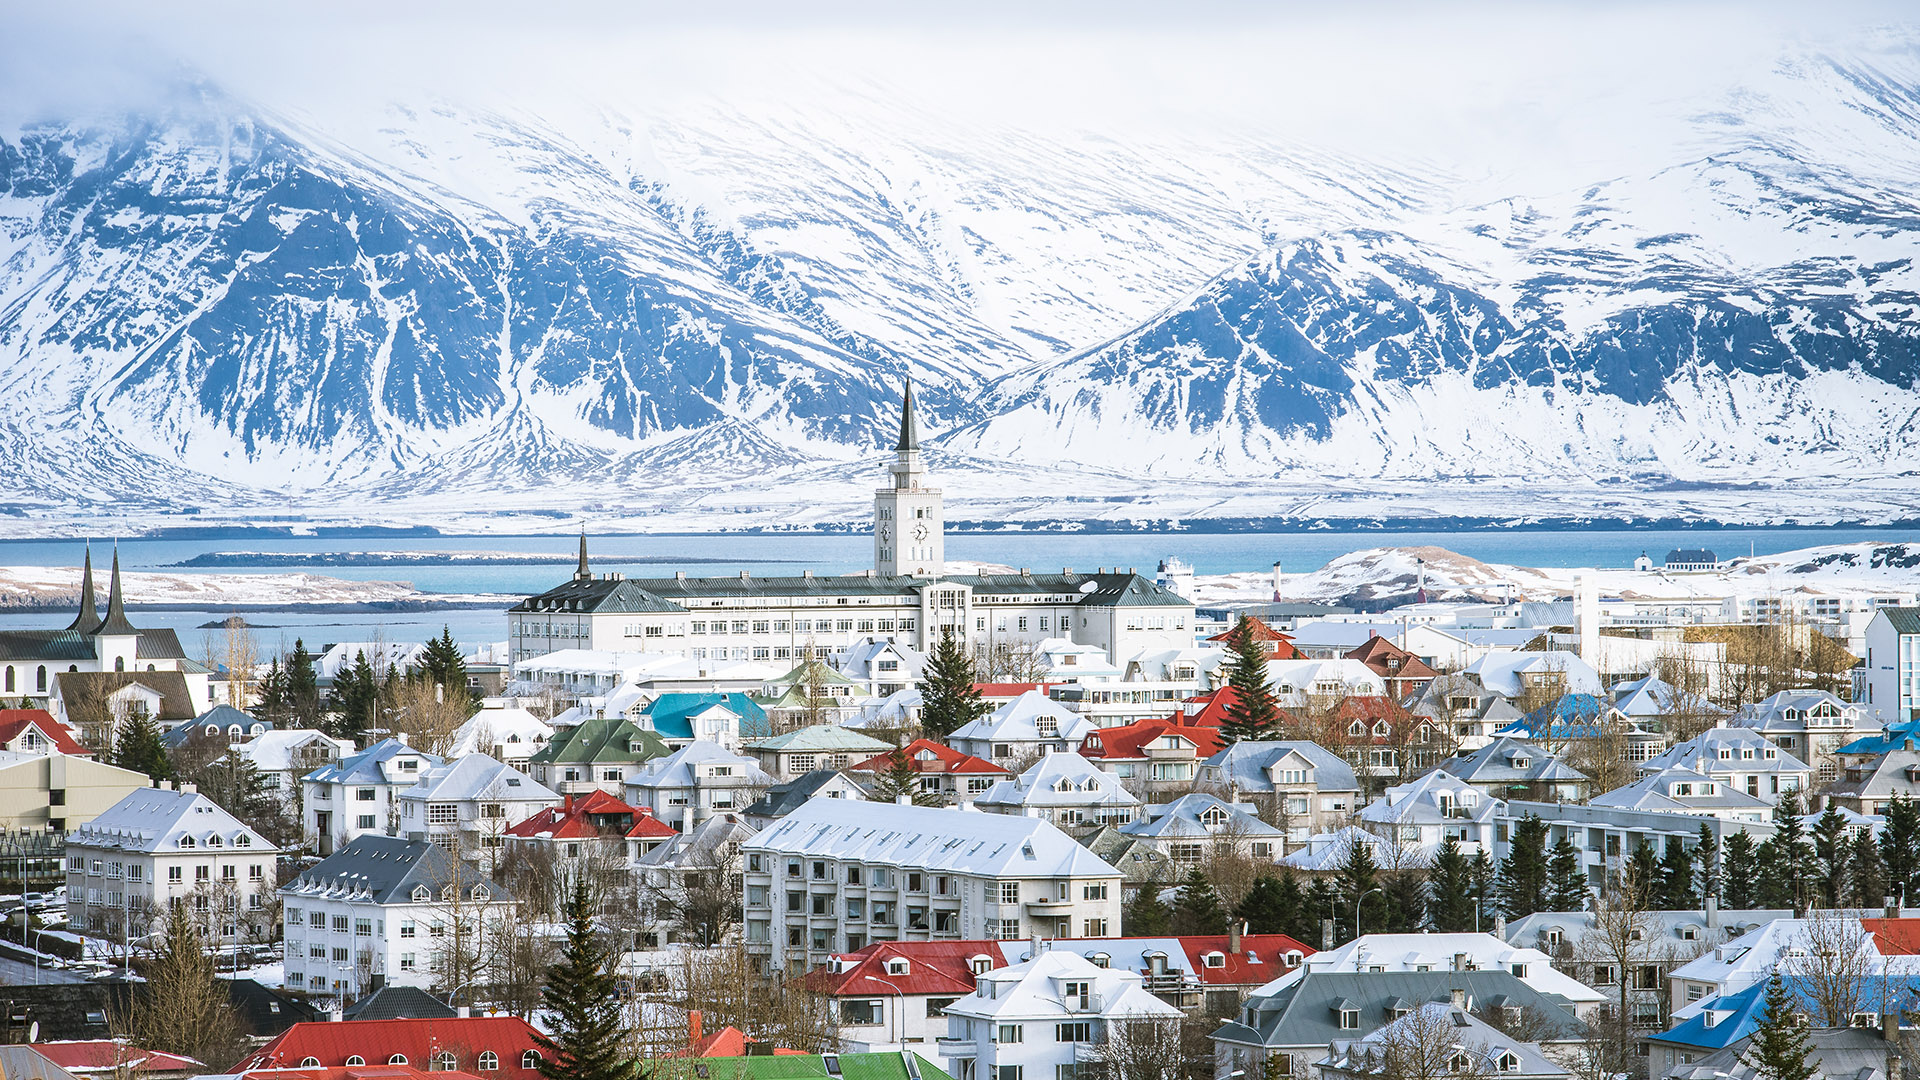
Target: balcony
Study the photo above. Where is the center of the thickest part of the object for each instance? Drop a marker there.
(1049, 904)
(1082, 1003)
(955, 1048)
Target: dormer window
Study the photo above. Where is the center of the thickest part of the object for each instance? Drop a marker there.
(980, 965)
(1349, 1019)
(1213, 960)
(898, 966)
(1521, 761)
(422, 894)
(1213, 817)
(1507, 1061)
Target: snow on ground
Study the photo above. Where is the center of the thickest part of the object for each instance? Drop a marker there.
(1841, 570)
(60, 585)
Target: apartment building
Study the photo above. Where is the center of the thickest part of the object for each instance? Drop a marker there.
(361, 794)
(1046, 1019)
(835, 876)
(156, 847)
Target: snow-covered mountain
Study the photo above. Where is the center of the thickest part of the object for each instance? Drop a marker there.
(208, 301)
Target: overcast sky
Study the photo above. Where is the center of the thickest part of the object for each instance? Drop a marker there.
(1591, 90)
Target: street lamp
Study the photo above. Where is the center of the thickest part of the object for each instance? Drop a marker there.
(900, 1021)
(1356, 909)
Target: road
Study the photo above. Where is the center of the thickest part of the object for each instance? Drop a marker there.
(20, 973)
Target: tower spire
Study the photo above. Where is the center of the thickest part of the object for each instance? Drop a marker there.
(909, 435)
(89, 616)
(581, 573)
(115, 621)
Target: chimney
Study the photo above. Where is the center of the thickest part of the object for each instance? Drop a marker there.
(1234, 930)
(566, 803)
(1890, 1031)
(1459, 996)
(400, 737)
(695, 1027)
(1500, 927)
(1893, 907)
(1036, 945)
(1713, 912)
(1459, 961)
(462, 1012)
(1326, 935)
(334, 1015)
(903, 800)
(679, 575)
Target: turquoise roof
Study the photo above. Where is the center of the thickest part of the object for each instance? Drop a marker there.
(1748, 1006)
(1574, 716)
(1894, 738)
(671, 714)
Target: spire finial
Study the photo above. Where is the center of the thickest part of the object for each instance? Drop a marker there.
(909, 435)
(582, 573)
(89, 617)
(115, 620)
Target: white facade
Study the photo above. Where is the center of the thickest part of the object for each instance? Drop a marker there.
(467, 806)
(360, 794)
(283, 757)
(695, 782)
(1892, 663)
(909, 536)
(833, 876)
(127, 866)
(1044, 1019)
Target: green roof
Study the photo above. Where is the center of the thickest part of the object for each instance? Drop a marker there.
(1905, 620)
(823, 737)
(603, 739)
(824, 672)
(887, 1066)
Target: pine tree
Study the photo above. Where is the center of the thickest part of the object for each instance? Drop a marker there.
(1706, 856)
(139, 747)
(442, 665)
(303, 685)
(584, 1027)
(273, 702)
(1358, 876)
(1406, 894)
(1739, 865)
(1450, 883)
(1300, 923)
(901, 778)
(1866, 878)
(1830, 851)
(1146, 915)
(1252, 711)
(1486, 889)
(1676, 892)
(185, 1009)
(1523, 873)
(1566, 878)
(1900, 847)
(1267, 908)
(353, 698)
(1323, 903)
(1780, 1047)
(948, 698)
(1784, 859)
(1643, 867)
(1198, 910)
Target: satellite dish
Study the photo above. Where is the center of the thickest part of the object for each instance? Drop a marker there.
(1090, 586)
(33, 1032)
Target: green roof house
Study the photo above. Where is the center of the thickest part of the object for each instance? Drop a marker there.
(597, 755)
(820, 746)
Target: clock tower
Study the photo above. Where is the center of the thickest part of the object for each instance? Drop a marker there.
(908, 534)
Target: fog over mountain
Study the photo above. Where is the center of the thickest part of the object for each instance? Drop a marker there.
(1244, 265)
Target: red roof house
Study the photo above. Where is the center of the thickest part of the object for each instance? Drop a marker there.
(35, 731)
(493, 1047)
(911, 968)
(369, 1072)
(728, 1042)
(928, 756)
(1129, 742)
(1279, 646)
(588, 817)
(1894, 937)
(108, 1057)
(1210, 709)
(1403, 672)
(999, 693)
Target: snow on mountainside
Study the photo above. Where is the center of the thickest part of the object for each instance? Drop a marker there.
(208, 302)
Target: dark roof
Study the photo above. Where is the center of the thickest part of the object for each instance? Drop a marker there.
(1905, 620)
(115, 620)
(399, 1003)
(1306, 1012)
(63, 1009)
(1690, 555)
(1120, 589)
(601, 739)
(909, 435)
(220, 716)
(88, 618)
(783, 799)
(175, 702)
(266, 1010)
(606, 594)
(388, 867)
(58, 646)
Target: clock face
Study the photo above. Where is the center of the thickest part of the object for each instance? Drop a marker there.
(919, 532)
(886, 532)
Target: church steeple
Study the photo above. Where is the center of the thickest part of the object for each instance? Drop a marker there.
(581, 573)
(115, 622)
(909, 434)
(89, 618)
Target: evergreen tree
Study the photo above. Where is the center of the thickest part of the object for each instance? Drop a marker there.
(303, 686)
(1644, 869)
(1268, 908)
(273, 702)
(1523, 874)
(1486, 889)
(1358, 876)
(949, 700)
(442, 665)
(1300, 923)
(1566, 878)
(1323, 903)
(352, 701)
(901, 778)
(1784, 861)
(1866, 878)
(1900, 847)
(1450, 884)
(1739, 863)
(1406, 894)
(1146, 915)
(139, 747)
(1706, 856)
(1675, 890)
(1830, 851)
(1252, 710)
(1780, 1047)
(584, 1029)
(1198, 911)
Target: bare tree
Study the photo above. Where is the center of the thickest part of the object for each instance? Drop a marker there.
(1009, 661)
(1422, 1045)
(1837, 961)
(418, 709)
(1146, 1048)
(728, 988)
(1619, 939)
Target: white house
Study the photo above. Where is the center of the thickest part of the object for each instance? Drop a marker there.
(694, 782)
(467, 806)
(1449, 952)
(1066, 789)
(881, 667)
(835, 875)
(1301, 683)
(1028, 726)
(1740, 758)
(399, 910)
(361, 793)
(1893, 665)
(283, 757)
(502, 732)
(1809, 724)
(1419, 816)
(1045, 1019)
(127, 866)
(1551, 673)
(1193, 827)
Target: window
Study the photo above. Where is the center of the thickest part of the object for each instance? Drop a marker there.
(530, 1059)
(441, 1062)
(1094, 928)
(1008, 1033)
(1349, 1019)
(1006, 1072)
(356, 1059)
(1072, 1033)
(407, 961)
(1603, 975)
(339, 924)
(364, 794)
(366, 821)
(309, 1062)
(1009, 892)
(862, 1012)
(489, 1061)
(397, 1059)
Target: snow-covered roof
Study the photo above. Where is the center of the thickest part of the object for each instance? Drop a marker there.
(1414, 952)
(1296, 677)
(1328, 851)
(1198, 816)
(1429, 800)
(519, 730)
(1503, 671)
(1032, 991)
(272, 751)
(1727, 749)
(962, 841)
(159, 821)
(1020, 720)
(1248, 765)
(1064, 779)
(1679, 790)
(676, 769)
(478, 776)
(365, 766)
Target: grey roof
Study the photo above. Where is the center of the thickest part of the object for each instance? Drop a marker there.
(1435, 698)
(478, 776)
(1905, 620)
(964, 841)
(1497, 763)
(710, 835)
(1182, 818)
(1897, 772)
(364, 767)
(1119, 589)
(783, 799)
(400, 1003)
(1662, 926)
(26, 1063)
(1245, 765)
(1303, 1013)
(1366, 1056)
(1653, 791)
(382, 870)
(822, 737)
(157, 820)
(1702, 754)
(114, 622)
(1838, 1054)
(909, 434)
(1136, 861)
(604, 595)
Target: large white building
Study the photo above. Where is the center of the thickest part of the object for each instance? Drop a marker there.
(360, 794)
(403, 911)
(835, 875)
(1892, 666)
(908, 597)
(1046, 1019)
(156, 847)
